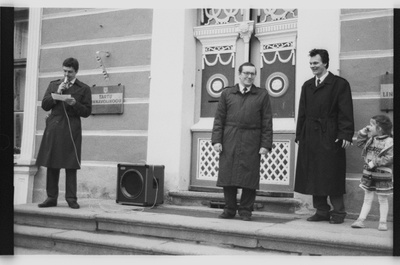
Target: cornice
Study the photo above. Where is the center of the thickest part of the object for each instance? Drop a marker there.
(223, 33)
(276, 27)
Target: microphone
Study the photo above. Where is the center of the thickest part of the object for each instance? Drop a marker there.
(64, 83)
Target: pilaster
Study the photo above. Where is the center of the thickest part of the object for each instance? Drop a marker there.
(24, 168)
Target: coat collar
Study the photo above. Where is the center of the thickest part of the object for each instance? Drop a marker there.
(327, 81)
(252, 90)
(77, 82)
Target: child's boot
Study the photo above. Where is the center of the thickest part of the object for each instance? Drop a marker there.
(359, 223)
(382, 226)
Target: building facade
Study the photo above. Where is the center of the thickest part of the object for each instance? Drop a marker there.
(172, 64)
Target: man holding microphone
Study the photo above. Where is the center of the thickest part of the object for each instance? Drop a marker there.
(62, 137)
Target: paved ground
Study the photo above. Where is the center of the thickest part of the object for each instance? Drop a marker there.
(29, 251)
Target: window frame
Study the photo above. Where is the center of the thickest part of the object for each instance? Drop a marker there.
(20, 15)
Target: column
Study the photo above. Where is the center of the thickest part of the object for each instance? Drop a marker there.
(172, 94)
(24, 170)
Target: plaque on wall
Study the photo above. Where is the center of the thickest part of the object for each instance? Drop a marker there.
(386, 100)
(108, 99)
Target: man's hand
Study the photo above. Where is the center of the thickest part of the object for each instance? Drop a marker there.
(345, 143)
(61, 88)
(218, 147)
(263, 151)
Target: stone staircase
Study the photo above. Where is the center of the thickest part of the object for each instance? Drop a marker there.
(102, 227)
(216, 200)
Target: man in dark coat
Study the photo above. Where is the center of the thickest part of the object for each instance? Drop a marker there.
(325, 128)
(62, 138)
(242, 132)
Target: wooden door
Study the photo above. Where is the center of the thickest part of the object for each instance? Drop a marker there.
(267, 38)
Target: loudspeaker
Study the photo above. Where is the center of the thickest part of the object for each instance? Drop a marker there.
(139, 184)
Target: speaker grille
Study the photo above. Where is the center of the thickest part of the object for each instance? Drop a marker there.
(132, 183)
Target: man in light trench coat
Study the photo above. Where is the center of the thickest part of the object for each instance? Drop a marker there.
(242, 132)
(62, 138)
(325, 128)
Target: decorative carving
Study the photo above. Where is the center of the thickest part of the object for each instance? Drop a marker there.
(274, 167)
(218, 49)
(219, 16)
(245, 31)
(277, 55)
(216, 84)
(277, 14)
(208, 161)
(278, 46)
(277, 84)
(218, 59)
(288, 26)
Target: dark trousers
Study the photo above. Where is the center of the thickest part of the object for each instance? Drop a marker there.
(53, 176)
(324, 209)
(246, 201)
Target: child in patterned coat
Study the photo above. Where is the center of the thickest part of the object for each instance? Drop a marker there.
(377, 143)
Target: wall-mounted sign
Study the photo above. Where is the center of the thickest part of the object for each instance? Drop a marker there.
(107, 99)
(386, 92)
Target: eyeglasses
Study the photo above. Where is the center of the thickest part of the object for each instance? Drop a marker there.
(249, 74)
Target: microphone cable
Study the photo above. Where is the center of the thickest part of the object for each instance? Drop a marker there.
(70, 133)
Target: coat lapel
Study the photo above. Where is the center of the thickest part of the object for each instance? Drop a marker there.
(75, 87)
(327, 82)
(237, 88)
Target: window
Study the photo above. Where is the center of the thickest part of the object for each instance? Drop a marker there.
(20, 50)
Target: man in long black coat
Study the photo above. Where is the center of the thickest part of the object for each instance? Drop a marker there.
(62, 138)
(242, 132)
(325, 128)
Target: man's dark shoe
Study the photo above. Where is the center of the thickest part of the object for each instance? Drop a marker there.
(336, 220)
(73, 205)
(246, 217)
(318, 218)
(225, 215)
(48, 203)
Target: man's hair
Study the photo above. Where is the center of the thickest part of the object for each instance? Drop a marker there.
(323, 53)
(384, 123)
(71, 62)
(246, 64)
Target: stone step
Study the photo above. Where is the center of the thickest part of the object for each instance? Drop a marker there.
(104, 243)
(216, 200)
(267, 232)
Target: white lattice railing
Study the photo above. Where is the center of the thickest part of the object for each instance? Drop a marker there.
(274, 167)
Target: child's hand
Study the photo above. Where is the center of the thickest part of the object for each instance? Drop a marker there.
(365, 130)
(371, 165)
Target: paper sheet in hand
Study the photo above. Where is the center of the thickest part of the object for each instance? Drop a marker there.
(60, 97)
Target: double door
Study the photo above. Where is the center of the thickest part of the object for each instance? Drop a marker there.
(266, 38)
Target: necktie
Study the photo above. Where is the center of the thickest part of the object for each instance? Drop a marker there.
(318, 81)
(244, 90)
